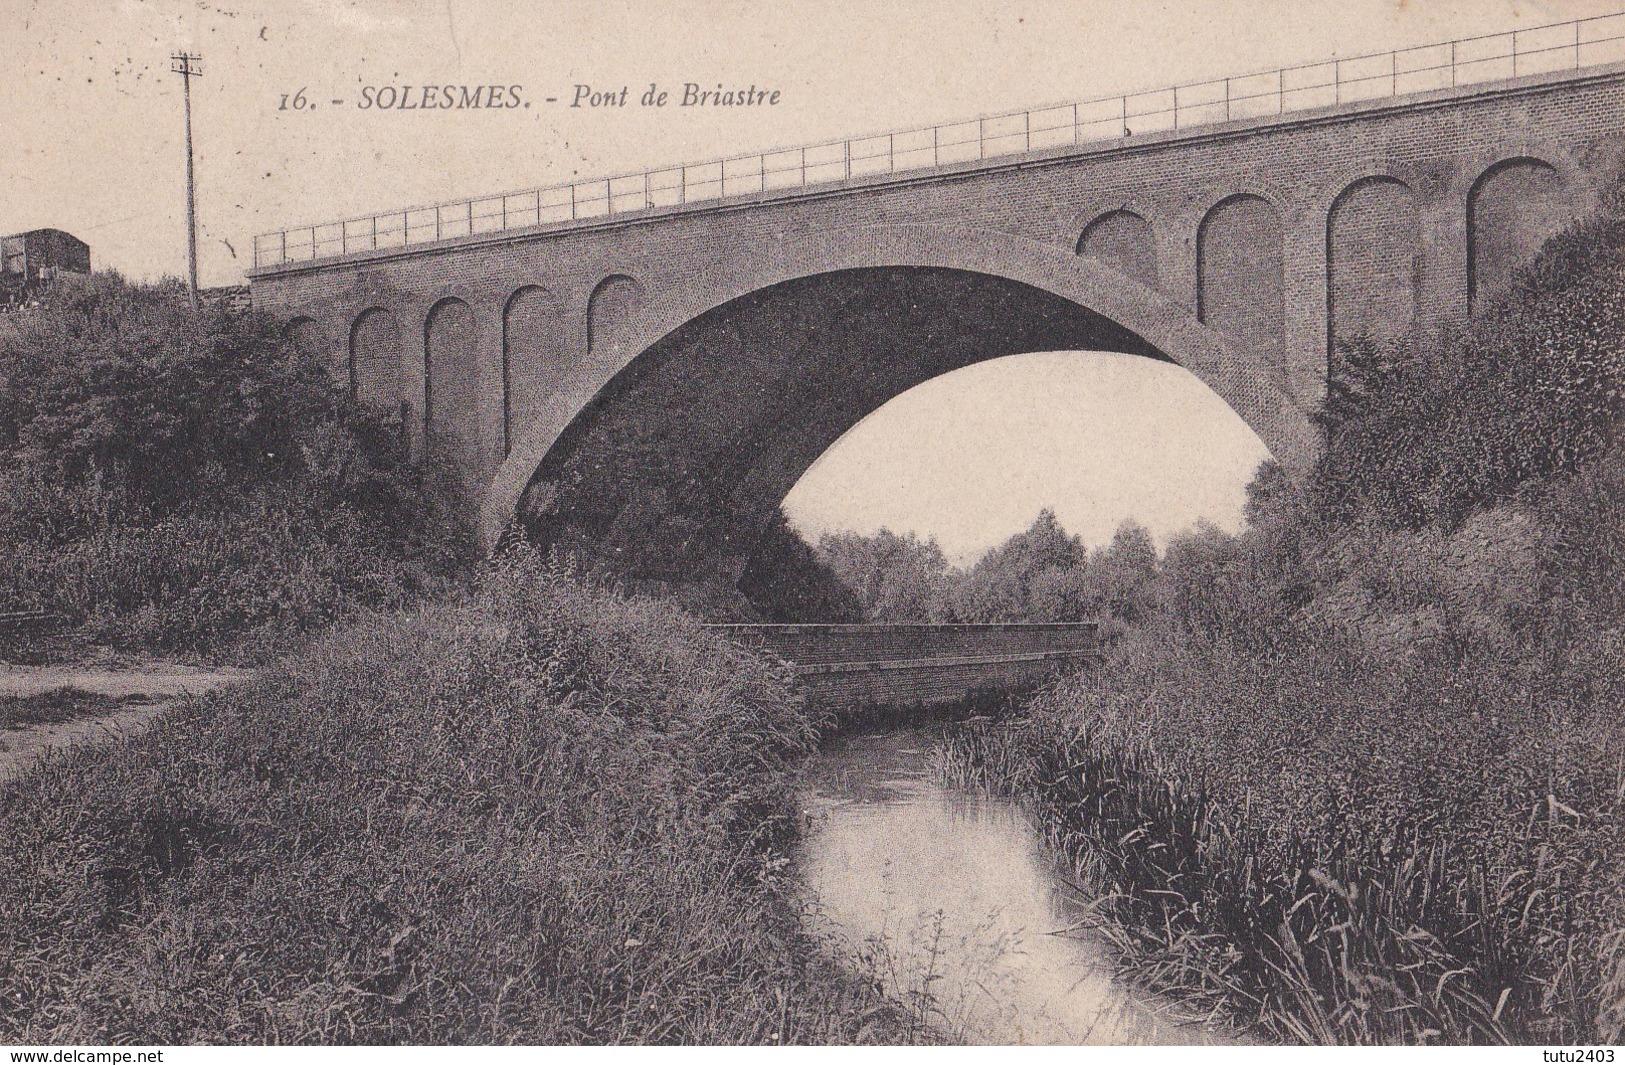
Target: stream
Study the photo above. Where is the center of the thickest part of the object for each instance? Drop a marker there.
(952, 892)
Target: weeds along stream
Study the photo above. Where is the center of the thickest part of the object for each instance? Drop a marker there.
(950, 897)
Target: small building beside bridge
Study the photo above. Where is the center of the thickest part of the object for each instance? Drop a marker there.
(32, 260)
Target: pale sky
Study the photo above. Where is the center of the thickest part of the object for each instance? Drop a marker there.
(972, 456)
(91, 134)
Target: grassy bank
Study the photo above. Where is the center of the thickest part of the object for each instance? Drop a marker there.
(546, 814)
(1361, 777)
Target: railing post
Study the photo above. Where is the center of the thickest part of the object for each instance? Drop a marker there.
(507, 217)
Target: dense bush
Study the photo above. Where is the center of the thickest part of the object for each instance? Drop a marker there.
(1040, 574)
(193, 483)
(1360, 779)
(542, 815)
(1423, 432)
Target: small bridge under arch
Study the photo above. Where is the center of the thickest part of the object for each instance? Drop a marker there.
(919, 665)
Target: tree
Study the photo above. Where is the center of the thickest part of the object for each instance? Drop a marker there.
(897, 579)
(1026, 578)
(179, 479)
(787, 580)
(1123, 575)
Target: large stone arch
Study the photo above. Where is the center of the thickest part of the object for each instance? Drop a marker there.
(1155, 325)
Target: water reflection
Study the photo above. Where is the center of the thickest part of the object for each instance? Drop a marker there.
(953, 893)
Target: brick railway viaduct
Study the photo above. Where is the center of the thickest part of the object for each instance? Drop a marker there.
(655, 372)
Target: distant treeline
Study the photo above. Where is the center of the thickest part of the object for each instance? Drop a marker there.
(1043, 573)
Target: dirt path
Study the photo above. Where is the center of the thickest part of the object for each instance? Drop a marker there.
(162, 683)
(158, 680)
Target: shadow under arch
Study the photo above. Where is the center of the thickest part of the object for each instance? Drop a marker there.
(674, 468)
(789, 350)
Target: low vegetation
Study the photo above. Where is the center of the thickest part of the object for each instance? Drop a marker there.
(540, 814)
(59, 705)
(1361, 777)
(195, 485)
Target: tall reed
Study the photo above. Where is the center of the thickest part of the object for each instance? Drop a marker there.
(1402, 920)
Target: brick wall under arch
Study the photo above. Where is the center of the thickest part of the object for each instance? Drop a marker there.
(1373, 261)
(1512, 209)
(375, 358)
(1124, 241)
(1240, 281)
(452, 383)
(610, 309)
(535, 359)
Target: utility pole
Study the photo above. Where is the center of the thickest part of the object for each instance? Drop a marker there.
(188, 67)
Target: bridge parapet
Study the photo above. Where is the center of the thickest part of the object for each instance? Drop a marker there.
(1574, 45)
(920, 664)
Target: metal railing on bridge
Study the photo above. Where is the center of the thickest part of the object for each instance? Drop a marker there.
(1561, 46)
